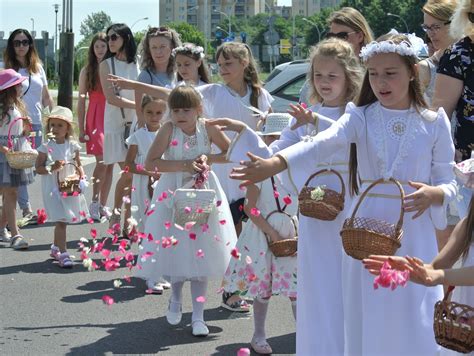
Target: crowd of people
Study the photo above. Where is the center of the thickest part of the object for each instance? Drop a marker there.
(210, 177)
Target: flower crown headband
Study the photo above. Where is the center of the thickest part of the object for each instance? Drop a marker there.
(403, 48)
(196, 50)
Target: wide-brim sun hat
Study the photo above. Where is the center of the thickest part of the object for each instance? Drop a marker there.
(9, 78)
(61, 113)
(274, 124)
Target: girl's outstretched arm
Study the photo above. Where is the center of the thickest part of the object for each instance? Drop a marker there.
(258, 169)
(154, 91)
(219, 138)
(109, 89)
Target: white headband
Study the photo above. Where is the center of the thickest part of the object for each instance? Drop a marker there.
(196, 50)
(403, 48)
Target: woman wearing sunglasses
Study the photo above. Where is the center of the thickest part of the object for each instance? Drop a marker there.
(119, 115)
(20, 55)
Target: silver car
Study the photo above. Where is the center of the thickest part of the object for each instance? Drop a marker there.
(285, 84)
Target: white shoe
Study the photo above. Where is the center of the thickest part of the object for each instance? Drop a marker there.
(200, 328)
(94, 210)
(174, 318)
(154, 288)
(164, 284)
(5, 235)
(105, 212)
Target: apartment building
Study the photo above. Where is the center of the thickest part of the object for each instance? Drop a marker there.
(310, 7)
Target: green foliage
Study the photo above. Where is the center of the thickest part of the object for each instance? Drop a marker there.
(189, 33)
(95, 22)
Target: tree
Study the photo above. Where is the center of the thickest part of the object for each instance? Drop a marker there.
(188, 33)
(95, 22)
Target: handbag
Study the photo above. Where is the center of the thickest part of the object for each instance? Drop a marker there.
(286, 247)
(127, 124)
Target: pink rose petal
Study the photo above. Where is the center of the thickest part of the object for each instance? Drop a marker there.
(255, 212)
(200, 253)
(201, 299)
(108, 300)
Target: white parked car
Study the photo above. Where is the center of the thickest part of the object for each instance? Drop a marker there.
(285, 84)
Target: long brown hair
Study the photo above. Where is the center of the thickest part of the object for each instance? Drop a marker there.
(192, 51)
(242, 52)
(184, 97)
(469, 230)
(10, 99)
(92, 67)
(367, 97)
(32, 60)
(147, 59)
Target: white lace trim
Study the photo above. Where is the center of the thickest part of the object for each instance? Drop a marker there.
(404, 147)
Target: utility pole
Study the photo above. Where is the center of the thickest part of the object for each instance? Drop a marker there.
(56, 58)
(66, 57)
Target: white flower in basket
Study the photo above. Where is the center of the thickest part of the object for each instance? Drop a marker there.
(318, 193)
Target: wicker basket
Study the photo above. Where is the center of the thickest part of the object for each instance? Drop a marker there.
(331, 204)
(70, 184)
(286, 247)
(362, 237)
(20, 159)
(201, 202)
(453, 324)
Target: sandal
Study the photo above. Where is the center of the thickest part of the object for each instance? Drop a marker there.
(18, 242)
(261, 346)
(240, 306)
(154, 288)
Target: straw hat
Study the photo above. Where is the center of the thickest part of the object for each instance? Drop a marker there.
(275, 123)
(61, 113)
(9, 78)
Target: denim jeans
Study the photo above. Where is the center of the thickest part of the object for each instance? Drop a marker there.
(23, 197)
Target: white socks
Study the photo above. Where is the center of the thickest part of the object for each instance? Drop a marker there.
(198, 289)
(293, 308)
(260, 308)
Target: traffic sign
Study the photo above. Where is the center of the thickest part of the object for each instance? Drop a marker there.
(271, 37)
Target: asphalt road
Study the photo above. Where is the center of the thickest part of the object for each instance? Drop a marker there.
(46, 310)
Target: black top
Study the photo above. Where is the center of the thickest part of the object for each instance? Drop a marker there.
(458, 62)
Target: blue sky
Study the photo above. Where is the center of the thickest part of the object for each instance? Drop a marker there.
(18, 13)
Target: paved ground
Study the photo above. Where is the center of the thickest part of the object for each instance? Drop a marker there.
(45, 310)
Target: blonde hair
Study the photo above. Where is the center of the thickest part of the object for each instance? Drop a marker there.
(460, 24)
(341, 52)
(70, 129)
(243, 53)
(147, 59)
(350, 17)
(441, 10)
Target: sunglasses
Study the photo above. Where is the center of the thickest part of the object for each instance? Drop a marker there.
(113, 37)
(24, 43)
(342, 35)
(434, 28)
(470, 16)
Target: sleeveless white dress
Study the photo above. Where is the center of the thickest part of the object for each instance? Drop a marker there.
(205, 254)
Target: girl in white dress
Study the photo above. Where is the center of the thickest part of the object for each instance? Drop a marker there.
(440, 271)
(119, 114)
(191, 65)
(258, 274)
(396, 137)
(58, 159)
(138, 145)
(198, 252)
(335, 79)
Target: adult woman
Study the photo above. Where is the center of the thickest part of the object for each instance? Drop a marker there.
(454, 88)
(158, 65)
(21, 56)
(91, 127)
(436, 21)
(119, 109)
(349, 25)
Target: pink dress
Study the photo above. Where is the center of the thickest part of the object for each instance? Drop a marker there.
(95, 122)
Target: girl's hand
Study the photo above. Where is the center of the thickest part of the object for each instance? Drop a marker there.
(81, 137)
(421, 200)
(57, 165)
(375, 262)
(200, 163)
(120, 82)
(424, 274)
(226, 124)
(257, 169)
(303, 116)
(4, 149)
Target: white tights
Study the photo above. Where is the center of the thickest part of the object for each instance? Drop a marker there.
(260, 308)
(198, 289)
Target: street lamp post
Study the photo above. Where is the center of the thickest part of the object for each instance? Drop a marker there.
(228, 19)
(401, 18)
(56, 9)
(315, 25)
(32, 24)
(142, 19)
(221, 29)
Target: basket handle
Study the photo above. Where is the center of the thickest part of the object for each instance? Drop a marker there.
(71, 163)
(284, 213)
(378, 181)
(338, 175)
(448, 293)
(10, 141)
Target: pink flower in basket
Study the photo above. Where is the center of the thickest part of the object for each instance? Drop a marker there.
(392, 278)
